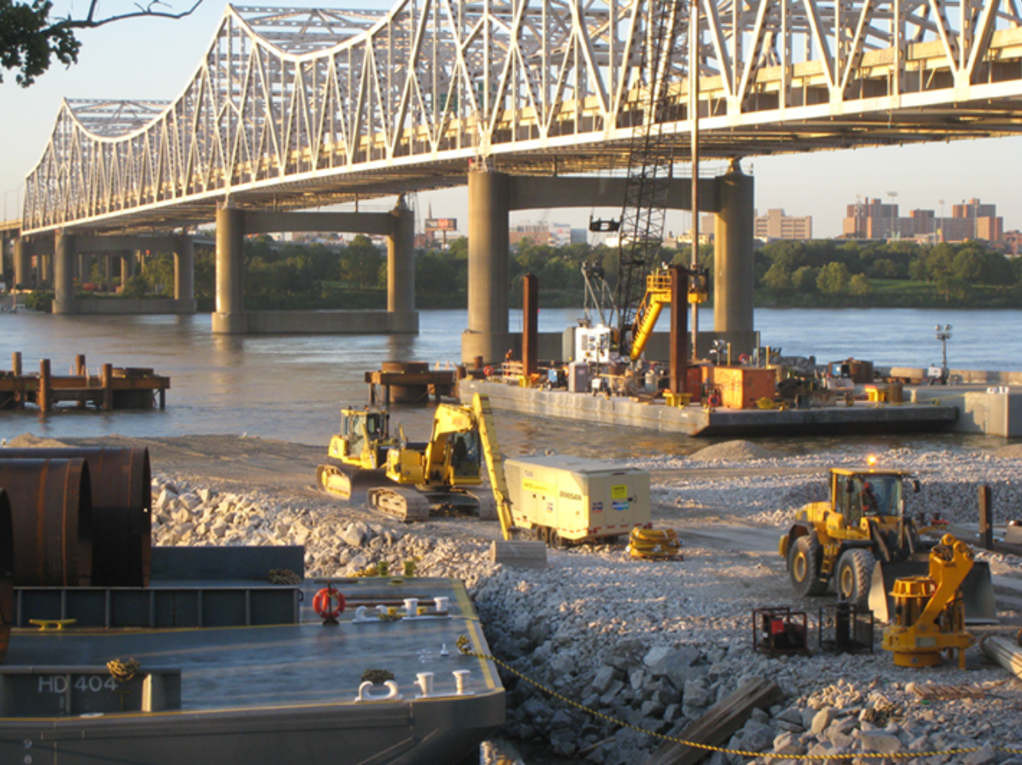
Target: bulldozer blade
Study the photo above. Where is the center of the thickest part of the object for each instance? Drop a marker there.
(343, 481)
(977, 590)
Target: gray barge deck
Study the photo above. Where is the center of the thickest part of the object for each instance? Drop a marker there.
(694, 420)
(263, 694)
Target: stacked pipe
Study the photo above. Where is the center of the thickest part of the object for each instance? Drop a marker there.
(6, 574)
(121, 502)
(72, 517)
(1005, 652)
(51, 519)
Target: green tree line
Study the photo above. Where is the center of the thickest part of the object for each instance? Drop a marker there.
(286, 275)
(849, 273)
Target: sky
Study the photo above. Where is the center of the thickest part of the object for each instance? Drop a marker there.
(154, 58)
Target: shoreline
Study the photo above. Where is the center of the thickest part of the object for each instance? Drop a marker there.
(651, 643)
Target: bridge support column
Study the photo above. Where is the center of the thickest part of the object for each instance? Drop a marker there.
(184, 273)
(125, 268)
(401, 270)
(489, 202)
(64, 274)
(734, 276)
(230, 318)
(108, 271)
(22, 262)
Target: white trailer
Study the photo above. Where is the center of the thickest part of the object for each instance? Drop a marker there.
(573, 498)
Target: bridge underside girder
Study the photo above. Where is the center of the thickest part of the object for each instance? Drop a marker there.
(381, 103)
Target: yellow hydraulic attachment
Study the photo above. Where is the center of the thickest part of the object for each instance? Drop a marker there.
(929, 611)
(658, 294)
(655, 544)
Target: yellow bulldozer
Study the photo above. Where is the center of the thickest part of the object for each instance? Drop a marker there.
(358, 453)
(860, 541)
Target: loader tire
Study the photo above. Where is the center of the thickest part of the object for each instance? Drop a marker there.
(804, 567)
(854, 577)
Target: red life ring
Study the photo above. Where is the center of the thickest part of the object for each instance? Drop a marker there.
(488, 371)
(714, 400)
(328, 603)
(744, 359)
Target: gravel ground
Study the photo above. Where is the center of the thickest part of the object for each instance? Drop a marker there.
(653, 644)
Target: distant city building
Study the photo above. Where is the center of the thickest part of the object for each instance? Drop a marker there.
(776, 225)
(970, 220)
(544, 232)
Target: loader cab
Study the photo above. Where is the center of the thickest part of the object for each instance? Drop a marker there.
(865, 495)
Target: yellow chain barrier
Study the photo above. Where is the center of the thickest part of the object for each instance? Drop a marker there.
(463, 646)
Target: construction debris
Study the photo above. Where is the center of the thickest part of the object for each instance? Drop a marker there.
(719, 723)
(1004, 652)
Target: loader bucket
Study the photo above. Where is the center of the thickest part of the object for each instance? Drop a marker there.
(977, 590)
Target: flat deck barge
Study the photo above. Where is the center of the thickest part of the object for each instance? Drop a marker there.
(694, 420)
(257, 693)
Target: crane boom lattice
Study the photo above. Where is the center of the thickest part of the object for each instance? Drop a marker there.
(650, 164)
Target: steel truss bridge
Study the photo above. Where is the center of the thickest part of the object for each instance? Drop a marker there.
(294, 109)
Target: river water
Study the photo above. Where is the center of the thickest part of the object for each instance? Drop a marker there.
(290, 387)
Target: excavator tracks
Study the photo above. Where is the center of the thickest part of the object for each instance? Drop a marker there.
(407, 505)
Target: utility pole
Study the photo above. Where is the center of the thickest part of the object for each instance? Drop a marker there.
(693, 110)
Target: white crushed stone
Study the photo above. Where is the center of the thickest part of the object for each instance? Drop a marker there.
(731, 451)
(655, 644)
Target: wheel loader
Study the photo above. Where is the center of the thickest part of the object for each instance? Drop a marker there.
(860, 541)
(358, 452)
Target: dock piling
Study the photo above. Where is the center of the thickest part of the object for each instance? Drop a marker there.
(43, 395)
(106, 380)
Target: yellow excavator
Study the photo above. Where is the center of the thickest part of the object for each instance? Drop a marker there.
(436, 476)
(860, 541)
(412, 480)
(358, 453)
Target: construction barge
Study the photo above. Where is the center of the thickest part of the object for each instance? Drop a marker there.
(159, 656)
(113, 388)
(696, 420)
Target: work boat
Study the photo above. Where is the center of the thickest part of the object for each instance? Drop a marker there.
(207, 661)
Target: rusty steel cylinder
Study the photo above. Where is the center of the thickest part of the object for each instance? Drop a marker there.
(6, 575)
(121, 510)
(51, 515)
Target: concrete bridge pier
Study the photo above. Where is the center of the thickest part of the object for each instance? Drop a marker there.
(734, 274)
(125, 268)
(64, 274)
(489, 203)
(401, 269)
(230, 317)
(22, 262)
(184, 271)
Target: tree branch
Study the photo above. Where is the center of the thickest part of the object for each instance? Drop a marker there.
(90, 22)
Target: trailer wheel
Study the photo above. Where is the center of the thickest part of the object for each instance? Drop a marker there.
(854, 576)
(804, 567)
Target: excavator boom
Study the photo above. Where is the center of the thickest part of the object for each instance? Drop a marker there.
(494, 462)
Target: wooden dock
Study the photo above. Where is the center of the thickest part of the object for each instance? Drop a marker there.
(412, 382)
(113, 388)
